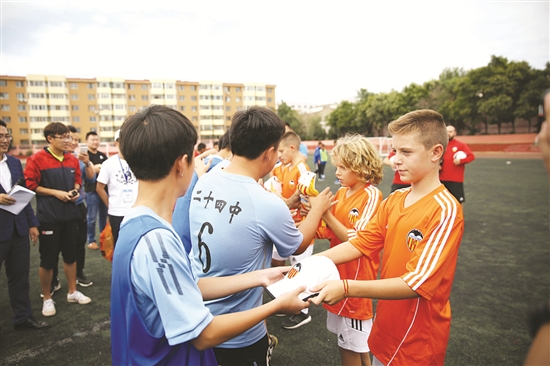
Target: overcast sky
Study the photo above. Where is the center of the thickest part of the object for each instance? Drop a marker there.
(313, 51)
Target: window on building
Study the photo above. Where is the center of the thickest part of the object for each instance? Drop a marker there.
(131, 97)
(24, 131)
(182, 108)
(90, 85)
(5, 107)
(193, 108)
(131, 86)
(73, 85)
(156, 85)
(227, 109)
(237, 99)
(22, 119)
(74, 96)
(56, 83)
(19, 84)
(144, 97)
(194, 118)
(181, 87)
(3, 83)
(144, 87)
(120, 106)
(238, 89)
(74, 107)
(228, 99)
(57, 96)
(181, 98)
(76, 119)
(132, 108)
(157, 96)
(170, 96)
(24, 142)
(193, 98)
(20, 96)
(169, 86)
(91, 108)
(91, 96)
(21, 107)
(4, 96)
(228, 118)
(227, 89)
(269, 100)
(193, 87)
(6, 119)
(93, 119)
(36, 83)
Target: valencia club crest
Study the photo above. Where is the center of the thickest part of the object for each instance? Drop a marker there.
(413, 238)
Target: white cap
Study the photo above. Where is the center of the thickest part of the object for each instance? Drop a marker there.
(308, 272)
(459, 155)
(117, 135)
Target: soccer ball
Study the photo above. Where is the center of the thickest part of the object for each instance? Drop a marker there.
(459, 155)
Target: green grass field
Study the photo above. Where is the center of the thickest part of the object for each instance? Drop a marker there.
(503, 269)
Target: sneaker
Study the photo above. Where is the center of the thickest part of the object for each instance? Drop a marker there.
(296, 321)
(78, 297)
(93, 246)
(48, 308)
(54, 288)
(272, 343)
(83, 281)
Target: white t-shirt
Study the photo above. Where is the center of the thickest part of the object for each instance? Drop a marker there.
(121, 184)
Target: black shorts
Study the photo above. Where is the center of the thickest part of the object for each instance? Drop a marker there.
(456, 189)
(255, 354)
(55, 238)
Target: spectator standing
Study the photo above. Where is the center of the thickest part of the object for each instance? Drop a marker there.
(55, 176)
(14, 239)
(456, 156)
(320, 156)
(88, 175)
(95, 206)
(122, 188)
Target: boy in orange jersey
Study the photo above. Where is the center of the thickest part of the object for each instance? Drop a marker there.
(419, 229)
(358, 167)
(292, 167)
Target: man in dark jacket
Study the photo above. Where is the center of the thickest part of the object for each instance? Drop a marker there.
(14, 239)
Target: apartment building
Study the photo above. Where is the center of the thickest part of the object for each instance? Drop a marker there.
(29, 103)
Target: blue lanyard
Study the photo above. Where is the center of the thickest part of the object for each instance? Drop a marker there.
(126, 173)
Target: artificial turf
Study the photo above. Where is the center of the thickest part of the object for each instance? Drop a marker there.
(503, 270)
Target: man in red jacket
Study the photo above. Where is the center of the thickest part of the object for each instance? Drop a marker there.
(456, 156)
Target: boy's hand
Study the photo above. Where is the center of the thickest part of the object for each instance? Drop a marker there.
(323, 201)
(290, 303)
(64, 196)
(6, 199)
(305, 207)
(269, 276)
(330, 292)
(294, 200)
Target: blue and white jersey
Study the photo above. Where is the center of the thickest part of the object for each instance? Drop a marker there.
(166, 291)
(234, 224)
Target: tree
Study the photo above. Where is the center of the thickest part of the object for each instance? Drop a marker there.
(290, 116)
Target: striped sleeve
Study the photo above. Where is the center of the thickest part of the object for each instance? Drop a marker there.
(369, 210)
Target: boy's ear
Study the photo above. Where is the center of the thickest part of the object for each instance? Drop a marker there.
(182, 165)
(268, 153)
(437, 152)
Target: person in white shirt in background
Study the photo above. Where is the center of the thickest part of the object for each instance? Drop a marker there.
(122, 188)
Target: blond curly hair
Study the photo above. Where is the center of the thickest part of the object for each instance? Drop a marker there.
(357, 154)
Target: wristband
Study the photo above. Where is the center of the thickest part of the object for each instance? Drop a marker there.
(346, 288)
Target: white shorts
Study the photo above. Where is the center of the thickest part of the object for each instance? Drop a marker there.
(352, 334)
(293, 258)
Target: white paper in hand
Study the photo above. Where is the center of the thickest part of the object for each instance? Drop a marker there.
(309, 273)
(22, 197)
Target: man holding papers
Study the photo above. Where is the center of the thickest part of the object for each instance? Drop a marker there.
(14, 239)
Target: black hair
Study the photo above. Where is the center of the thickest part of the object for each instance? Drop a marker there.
(2, 123)
(201, 146)
(55, 128)
(72, 128)
(91, 133)
(254, 130)
(224, 142)
(152, 139)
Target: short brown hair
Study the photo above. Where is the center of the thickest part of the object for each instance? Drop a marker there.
(357, 154)
(427, 124)
(291, 138)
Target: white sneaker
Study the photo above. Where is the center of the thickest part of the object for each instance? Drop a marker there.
(48, 308)
(78, 297)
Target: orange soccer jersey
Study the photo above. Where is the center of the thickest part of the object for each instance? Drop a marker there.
(420, 245)
(290, 177)
(354, 213)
